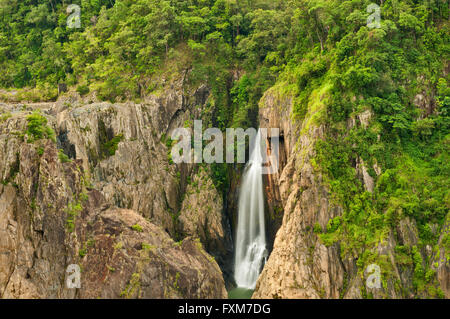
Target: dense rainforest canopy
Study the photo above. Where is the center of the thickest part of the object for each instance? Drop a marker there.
(321, 52)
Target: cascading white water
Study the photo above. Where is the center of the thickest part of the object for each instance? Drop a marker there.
(251, 235)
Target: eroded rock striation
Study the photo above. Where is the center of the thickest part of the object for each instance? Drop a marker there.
(103, 194)
(301, 265)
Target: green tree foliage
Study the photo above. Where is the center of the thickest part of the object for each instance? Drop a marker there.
(32, 37)
(321, 52)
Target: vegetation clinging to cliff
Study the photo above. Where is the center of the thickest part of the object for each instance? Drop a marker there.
(324, 55)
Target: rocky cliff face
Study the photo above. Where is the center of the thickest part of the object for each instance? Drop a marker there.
(110, 202)
(201, 216)
(300, 265)
(104, 195)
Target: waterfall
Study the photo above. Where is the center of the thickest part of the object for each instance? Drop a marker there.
(251, 236)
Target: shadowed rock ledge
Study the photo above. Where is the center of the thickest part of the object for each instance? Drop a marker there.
(108, 202)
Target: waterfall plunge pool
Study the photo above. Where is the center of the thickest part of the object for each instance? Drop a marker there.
(240, 293)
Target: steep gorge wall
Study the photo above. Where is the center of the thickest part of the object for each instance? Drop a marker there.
(120, 173)
(116, 205)
(300, 265)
